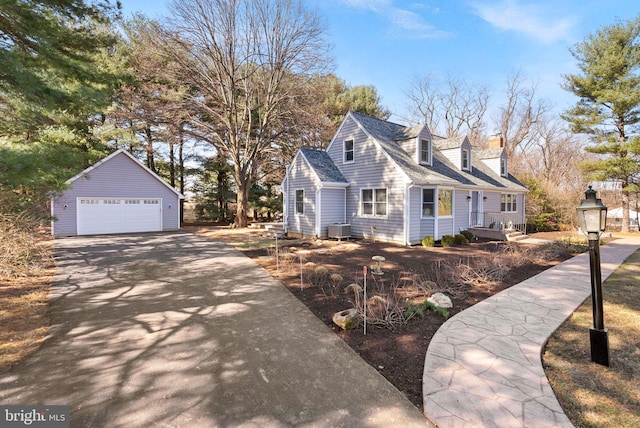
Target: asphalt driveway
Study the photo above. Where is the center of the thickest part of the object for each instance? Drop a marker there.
(177, 330)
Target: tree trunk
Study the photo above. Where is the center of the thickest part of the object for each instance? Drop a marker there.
(625, 210)
(151, 164)
(172, 166)
(242, 204)
(181, 173)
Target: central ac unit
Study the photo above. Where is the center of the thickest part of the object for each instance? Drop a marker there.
(339, 231)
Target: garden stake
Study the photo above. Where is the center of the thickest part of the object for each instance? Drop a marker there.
(364, 271)
(277, 264)
(301, 272)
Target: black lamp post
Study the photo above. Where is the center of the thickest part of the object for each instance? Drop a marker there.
(592, 215)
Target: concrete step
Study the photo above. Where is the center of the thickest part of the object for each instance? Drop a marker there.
(515, 236)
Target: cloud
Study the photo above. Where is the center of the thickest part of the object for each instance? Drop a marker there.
(374, 5)
(404, 23)
(412, 25)
(534, 20)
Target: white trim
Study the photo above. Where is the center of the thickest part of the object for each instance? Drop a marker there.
(373, 201)
(375, 141)
(511, 195)
(344, 151)
(130, 156)
(295, 201)
(120, 225)
(429, 141)
(468, 152)
(436, 197)
(318, 227)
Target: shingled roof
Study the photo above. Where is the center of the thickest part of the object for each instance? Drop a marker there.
(323, 166)
(442, 171)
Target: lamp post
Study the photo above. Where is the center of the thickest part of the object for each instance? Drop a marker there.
(592, 215)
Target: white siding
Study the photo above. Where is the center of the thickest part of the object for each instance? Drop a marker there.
(416, 232)
(461, 210)
(371, 169)
(454, 156)
(331, 208)
(300, 177)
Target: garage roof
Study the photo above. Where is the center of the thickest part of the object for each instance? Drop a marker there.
(140, 164)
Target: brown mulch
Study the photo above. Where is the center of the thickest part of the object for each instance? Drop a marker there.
(398, 354)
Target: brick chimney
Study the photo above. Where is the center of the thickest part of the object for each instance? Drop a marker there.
(496, 141)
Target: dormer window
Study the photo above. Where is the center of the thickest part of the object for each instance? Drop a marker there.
(425, 151)
(348, 151)
(465, 163)
(503, 167)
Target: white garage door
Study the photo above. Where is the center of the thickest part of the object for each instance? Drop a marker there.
(111, 215)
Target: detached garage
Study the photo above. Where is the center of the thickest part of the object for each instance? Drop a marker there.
(116, 195)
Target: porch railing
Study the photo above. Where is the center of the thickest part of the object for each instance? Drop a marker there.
(504, 222)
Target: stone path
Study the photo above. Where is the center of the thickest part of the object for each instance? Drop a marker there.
(483, 366)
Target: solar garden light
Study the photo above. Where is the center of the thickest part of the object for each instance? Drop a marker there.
(592, 216)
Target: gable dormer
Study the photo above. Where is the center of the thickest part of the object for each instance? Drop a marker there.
(457, 150)
(495, 157)
(424, 147)
(416, 141)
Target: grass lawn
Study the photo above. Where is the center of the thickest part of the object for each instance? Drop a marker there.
(593, 395)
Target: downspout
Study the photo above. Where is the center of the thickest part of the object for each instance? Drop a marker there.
(407, 214)
(318, 227)
(524, 216)
(285, 203)
(453, 211)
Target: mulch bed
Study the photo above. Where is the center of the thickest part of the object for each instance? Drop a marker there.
(398, 354)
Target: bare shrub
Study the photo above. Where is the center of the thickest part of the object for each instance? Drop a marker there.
(20, 252)
(318, 276)
(480, 271)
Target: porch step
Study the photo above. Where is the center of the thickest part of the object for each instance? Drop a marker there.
(271, 228)
(515, 236)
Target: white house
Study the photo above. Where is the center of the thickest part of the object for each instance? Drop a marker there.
(399, 184)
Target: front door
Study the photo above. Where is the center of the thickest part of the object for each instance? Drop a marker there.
(475, 214)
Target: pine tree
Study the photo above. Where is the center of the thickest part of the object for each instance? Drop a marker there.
(608, 86)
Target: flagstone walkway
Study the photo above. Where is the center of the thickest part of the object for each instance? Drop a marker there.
(483, 367)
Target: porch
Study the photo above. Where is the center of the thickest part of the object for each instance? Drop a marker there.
(498, 225)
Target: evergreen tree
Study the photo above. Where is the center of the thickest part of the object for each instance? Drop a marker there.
(56, 79)
(608, 86)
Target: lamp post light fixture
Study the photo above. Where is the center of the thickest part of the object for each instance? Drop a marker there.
(592, 216)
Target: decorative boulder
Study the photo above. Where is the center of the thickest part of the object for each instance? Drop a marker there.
(441, 300)
(346, 319)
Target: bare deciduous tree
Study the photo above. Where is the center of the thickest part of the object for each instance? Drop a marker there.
(242, 56)
(519, 115)
(450, 108)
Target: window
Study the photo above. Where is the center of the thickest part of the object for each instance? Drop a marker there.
(428, 202)
(348, 151)
(465, 159)
(444, 202)
(300, 201)
(425, 156)
(503, 167)
(374, 202)
(508, 202)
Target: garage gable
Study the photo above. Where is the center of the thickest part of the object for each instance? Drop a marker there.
(116, 195)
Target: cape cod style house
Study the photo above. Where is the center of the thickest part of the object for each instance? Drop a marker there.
(399, 184)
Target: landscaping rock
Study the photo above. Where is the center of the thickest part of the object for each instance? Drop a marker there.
(441, 300)
(347, 319)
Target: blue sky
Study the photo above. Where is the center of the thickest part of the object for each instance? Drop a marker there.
(387, 43)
